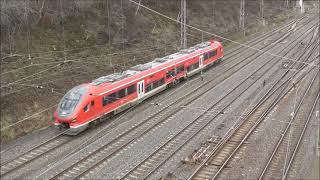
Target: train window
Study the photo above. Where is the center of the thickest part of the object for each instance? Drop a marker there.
(149, 87)
(193, 67)
(156, 84)
(92, 103)
(131, 89)
(161, 82)
(113, 97)
(213, 53)
(206, 56)
(70, 101)
(86, 108)
(122, 93)
(109, 99)
(196, 65)
(170, 73)
(180, 69)
(105, 100)
(189, 68)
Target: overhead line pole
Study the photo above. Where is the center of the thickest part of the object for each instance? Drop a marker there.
(262, 12)
(242, 14)
(183, 20)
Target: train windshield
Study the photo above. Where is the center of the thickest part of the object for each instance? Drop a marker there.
(70, 101)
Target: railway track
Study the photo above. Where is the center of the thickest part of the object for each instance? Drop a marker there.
(121, 141)
(163, 153)
(218, 158)
(222, 153)
(280, 160)
(298, 144)
(33, 154)
(145, 168)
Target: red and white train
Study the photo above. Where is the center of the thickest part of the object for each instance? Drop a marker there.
(109, 95)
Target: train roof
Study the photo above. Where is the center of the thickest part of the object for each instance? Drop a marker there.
(112, 81)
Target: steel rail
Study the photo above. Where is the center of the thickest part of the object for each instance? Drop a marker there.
(180, 98)
(230, 134)
(301, 136)
(199, 118)
(137, 166)
(248, 134)
(274, 103)
(34, 153)
(287, 128)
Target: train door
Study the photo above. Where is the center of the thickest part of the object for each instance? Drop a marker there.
(201, 61)
(140, 88)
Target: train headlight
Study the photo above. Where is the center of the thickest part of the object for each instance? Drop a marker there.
(74, 120)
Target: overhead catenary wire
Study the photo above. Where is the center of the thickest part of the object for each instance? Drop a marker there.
(216, 35)
(69, 50)
(47, 69)
(119, 65)
(109, 54)
(27, 118)
(74, 60)
(59, 64)
(44, 83)
(74, 49)
(41, 84)
(71, 61)
(62, 78)
(63, 51)
(43, 57)
(42, 87)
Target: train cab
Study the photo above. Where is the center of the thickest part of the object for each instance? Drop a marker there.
(70, 108)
